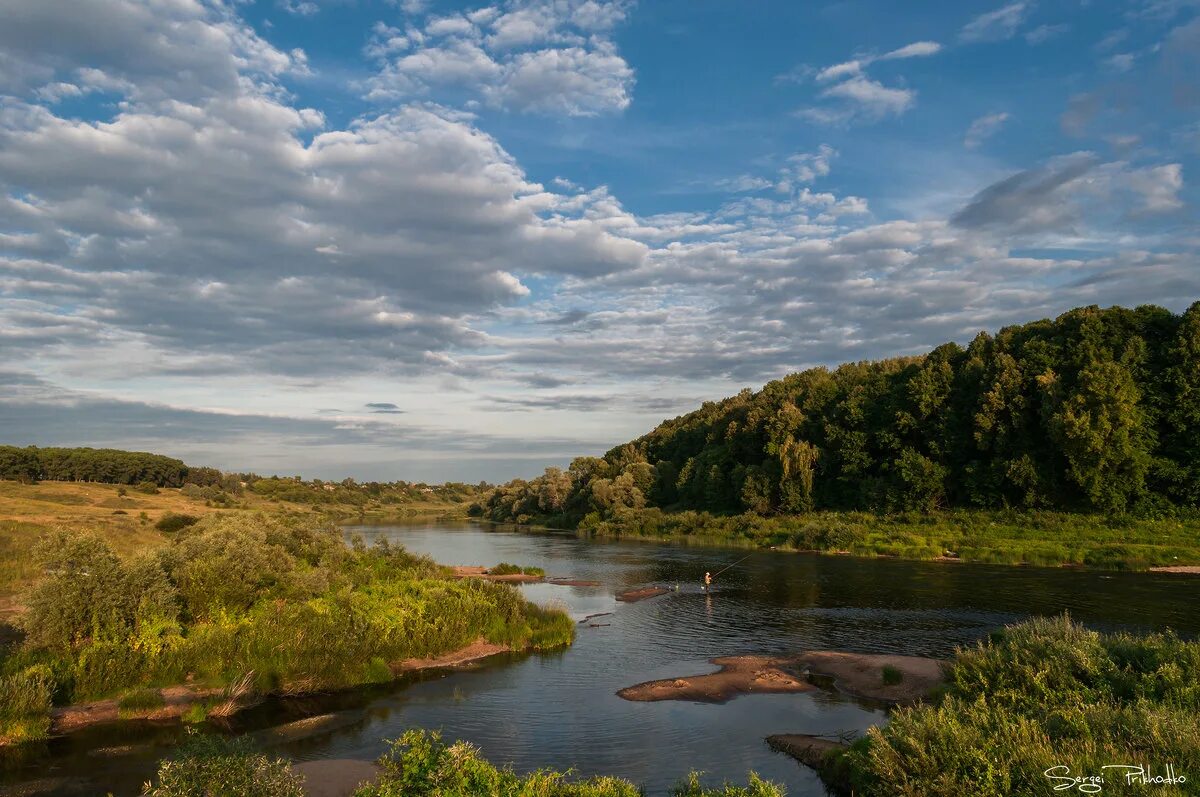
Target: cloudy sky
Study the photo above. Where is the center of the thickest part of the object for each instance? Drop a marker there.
(427, 240)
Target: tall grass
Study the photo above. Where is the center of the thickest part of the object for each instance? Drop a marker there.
(25, 705)
(1042, 694)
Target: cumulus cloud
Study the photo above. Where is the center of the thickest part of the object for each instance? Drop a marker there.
(534, 56)
(171, 222)
(212, 234)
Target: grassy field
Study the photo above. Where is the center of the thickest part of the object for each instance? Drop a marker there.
(127, 522)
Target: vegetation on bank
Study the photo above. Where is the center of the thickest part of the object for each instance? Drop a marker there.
(133, 521)
(273, 604)
(1038, 695)
(213, 766)
(420, 764)
(1032, 537)
(1096, 412)
(508, 569)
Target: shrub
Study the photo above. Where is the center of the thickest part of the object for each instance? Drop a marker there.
(149, 488)
(210, 766)
(420, 764)
(172, 522)
(891, 676)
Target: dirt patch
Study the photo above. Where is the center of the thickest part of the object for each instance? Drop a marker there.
(471, 571)
(810, 750)
(335, 777)
(176, 701)
(862, 674)
(572, 582)
(738, 675)
(635, 595)
(479, 649)
(1190, 570)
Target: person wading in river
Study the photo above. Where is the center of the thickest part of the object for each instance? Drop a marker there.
(707, 581)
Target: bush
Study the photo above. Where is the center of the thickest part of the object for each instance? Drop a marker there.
(209, 766)
(149, 488)
(172, 522)
(422, 765)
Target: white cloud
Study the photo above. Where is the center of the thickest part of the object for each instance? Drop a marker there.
(873, 98)
(915, 50)
(983, 128)
(535, 56)
(867, 98)
(997, 25)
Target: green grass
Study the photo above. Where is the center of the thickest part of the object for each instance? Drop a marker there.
(507, 569)
(891, 676)
(25, 705)
(1039, 538)
(1045, 693)
(138, 701)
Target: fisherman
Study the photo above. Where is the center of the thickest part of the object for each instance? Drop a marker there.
(707, 581)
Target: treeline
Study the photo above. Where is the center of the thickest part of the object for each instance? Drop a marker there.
(113, 466)
(107, 465)
(1097, 410)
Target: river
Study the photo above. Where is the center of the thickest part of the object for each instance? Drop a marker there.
(560, 710)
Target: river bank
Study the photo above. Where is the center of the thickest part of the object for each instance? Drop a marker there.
(1030, 538)
(180, 701)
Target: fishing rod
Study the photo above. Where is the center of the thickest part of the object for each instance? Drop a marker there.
(726, 567)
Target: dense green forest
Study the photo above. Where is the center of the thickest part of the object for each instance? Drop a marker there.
(1097, 410)
(107, 465)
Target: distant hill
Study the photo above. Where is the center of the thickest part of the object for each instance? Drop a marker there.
(1098, 409)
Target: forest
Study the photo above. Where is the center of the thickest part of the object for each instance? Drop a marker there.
(1097, 410)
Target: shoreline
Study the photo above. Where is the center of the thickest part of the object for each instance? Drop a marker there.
(178, 699)
(741, 543)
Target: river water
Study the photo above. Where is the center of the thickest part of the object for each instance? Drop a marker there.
(560, 710)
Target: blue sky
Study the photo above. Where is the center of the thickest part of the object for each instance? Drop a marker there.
(235, 231)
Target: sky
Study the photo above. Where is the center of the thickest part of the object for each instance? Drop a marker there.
(396, 239)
